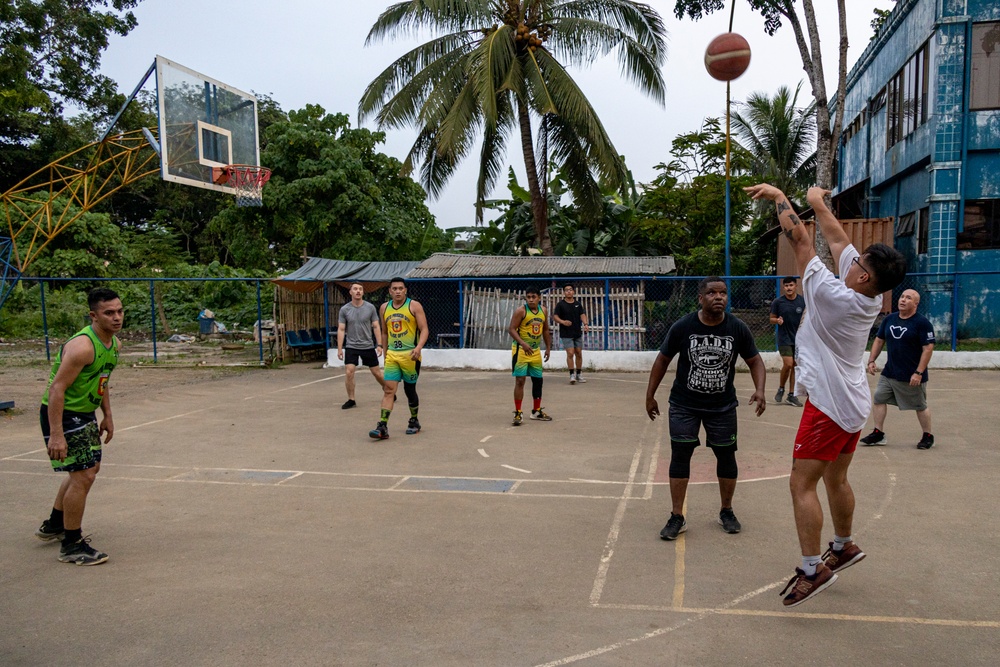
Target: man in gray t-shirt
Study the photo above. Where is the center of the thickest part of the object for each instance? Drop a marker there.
(359, 338)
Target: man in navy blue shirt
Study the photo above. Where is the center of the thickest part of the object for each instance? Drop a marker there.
(909, 341)
(786, 312)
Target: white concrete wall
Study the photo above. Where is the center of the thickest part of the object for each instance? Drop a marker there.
(499, 360)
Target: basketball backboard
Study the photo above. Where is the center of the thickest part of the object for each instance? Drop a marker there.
(204, 124)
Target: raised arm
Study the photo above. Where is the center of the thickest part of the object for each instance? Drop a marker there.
(831, 228)
(794, 230)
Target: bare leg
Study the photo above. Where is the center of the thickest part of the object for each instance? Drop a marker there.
(727, 487)
(678, 490)
(878, 411)
(840, 494)
(519, 388)
(785, 368)
(806, 474)
(924, 417)
(61, 494)
(791, 379)
(75, 497)
(377, 372)
(570, 357)
(349, 380)
(579, 358)
(388, 394)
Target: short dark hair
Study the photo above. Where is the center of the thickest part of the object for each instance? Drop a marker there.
(99, 295)
(703, 284)
(532, 290)
(788, 279)
(888, 265)
(569, 285)
(398, 279)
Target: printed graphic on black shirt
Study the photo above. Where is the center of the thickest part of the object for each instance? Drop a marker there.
(710, 358)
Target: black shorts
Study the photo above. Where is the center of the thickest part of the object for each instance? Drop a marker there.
(367, 357)
(720, 426)
(83, 439)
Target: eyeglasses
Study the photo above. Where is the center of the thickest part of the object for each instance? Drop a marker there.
(857, 260)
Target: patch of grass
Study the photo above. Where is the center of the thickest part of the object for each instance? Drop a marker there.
(978, 345)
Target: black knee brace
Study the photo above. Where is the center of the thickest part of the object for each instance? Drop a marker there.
(680, 459)
(536, 387)
(411, 394)
(725, 462)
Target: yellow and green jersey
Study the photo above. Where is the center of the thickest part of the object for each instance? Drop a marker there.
(87, 390)
(531, 327)
(401, 326)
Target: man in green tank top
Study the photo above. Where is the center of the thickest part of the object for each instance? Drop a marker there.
(78, 385)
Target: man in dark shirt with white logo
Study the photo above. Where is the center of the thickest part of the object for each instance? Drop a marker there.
(786, 312)
(706, 343)
(909, 341)
(572, 319)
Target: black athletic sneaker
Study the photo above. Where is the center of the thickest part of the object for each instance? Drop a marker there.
(876, 437)
(380, 432)
(926, 442)
(675, 526)
(780, 395)
(728, 521)
(47, 532)
(791, 400)
(412, 426)
(349, 404)
(82, 553)
(540, 415)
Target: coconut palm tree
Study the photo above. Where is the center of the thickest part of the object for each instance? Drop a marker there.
(779, 139)
(494, 67)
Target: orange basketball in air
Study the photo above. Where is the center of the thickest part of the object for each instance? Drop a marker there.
(727, 56)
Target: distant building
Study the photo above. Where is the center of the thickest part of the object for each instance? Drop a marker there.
(921, 145)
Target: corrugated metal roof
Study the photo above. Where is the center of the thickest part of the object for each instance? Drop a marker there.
(446, 265)
(316, 271)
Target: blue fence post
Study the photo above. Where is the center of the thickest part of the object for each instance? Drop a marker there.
(461, 315)
(45, 322)
(607, 310)
(152, 317)
(260, 328)
(326, 318)
(777, 295)
(954, 311)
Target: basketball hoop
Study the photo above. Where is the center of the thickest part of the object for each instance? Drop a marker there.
(247, 179)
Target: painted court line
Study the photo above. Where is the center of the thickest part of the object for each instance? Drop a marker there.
(504, 465)
(166, 419)
(612, 541)
(482, 452)
(486, 438)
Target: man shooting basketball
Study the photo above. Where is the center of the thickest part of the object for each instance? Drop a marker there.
(830, 344)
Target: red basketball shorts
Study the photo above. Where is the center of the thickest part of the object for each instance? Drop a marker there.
(819, 437)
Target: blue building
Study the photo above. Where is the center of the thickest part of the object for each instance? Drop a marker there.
(921, 144)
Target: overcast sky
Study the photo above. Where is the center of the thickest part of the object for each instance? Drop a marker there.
(312, 52)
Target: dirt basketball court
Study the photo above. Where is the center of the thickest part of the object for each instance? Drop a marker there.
(251, 521)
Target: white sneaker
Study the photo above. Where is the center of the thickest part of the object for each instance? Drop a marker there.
(572, 379)
(579, 378)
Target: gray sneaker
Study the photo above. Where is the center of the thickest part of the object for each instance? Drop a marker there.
(791, 400)
(82, 553)
(579, 378)
(46, 532)
(780, 395)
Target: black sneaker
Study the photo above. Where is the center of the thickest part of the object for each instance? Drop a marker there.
(728, 521)
(412, 426)
(675, 526)
(876, 437)
(926, 442)
(348, 405)
(47, 532)
(82, 553)
(380, 432)
(791, 400)
(780, 395)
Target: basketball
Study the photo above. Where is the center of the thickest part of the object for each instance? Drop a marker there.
(727, 56)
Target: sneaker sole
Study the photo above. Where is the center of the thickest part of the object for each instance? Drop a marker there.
(77, 561)
(572, 381)
(671, 539)
(731, 532)
(375, 435)
(830, 582)
(924, 446)
(412, 431)
(857, 559)
(880, 443)
(46, 537)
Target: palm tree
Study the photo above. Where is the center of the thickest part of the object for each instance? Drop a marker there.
(778, 139)
(495, 66)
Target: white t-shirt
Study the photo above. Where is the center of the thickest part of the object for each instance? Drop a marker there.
(831, 343)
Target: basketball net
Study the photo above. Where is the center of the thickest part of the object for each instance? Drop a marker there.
(248, 181)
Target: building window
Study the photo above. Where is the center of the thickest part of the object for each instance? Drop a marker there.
(985, 86)
(906, 98)
(982, 225)
(923, 225)
(904, 226)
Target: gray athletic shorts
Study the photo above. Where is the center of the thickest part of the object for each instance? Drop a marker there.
(568, 343)
(901, 394)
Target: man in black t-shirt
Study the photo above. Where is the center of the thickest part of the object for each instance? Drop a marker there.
(706, 344)
(571, 318)
(786, 312)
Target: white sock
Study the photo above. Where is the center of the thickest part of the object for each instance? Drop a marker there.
(809, 564)
(840, 542)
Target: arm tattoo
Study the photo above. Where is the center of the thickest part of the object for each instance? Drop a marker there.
(782, 206)
(788, 234)
(795, 219)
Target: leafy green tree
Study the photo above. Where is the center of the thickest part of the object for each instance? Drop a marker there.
(332, 194)
(50, 53)
(496, 66)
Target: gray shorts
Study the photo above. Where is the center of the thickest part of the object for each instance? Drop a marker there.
(901, 394)
(568, 343)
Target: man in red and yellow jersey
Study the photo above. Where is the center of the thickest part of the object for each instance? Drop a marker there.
(529, 326)
(78, 385)
(404, 329)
